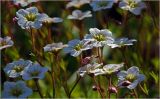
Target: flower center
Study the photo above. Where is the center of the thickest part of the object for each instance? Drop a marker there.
(130, 77)
(102, 3)
(3, 43)
(35, 73)
(78, 47)
(16, 92)
(132, 3)
(99, 37)
(18, 68)
(30, 17)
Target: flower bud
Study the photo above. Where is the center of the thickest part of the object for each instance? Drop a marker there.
(112, 89)
(126, 83)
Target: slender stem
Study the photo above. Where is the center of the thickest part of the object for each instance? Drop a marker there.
(52, 75)
(99, 54)
(38, 88)
(135, 93)
(81, 58)
(124, 56)
(32, 39)
(74, 86)
(49, 34)
(109, 85)
(99, 89)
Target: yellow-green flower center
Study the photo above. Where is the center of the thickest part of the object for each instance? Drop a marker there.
(3, 43)
(99, 37)
(16, 92)
(131, 77)
(102, 3)
(30, 17)
(132, 3)
(35, 73)
(18, 68)
(78, 47)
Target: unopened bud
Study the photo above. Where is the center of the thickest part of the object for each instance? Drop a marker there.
(86, 60)
(126, 83)
(112, 89)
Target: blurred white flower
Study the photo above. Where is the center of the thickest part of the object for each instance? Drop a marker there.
(23, 3)
(122, 42)
(48, 20)
(90, 69)
(54, 47)
(79, 15)
(134, 6)
(98, 5)
(77, 3)
(5, 42)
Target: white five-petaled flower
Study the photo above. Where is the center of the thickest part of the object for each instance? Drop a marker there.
(47, 19)
(16, 90)
(77, 3)
(54, 47)
(122, 42)
(29, 18)
(5, 42)
(76, 46)
(16, 68)
(98, 5)
(134, 6)
(99, 38)
(79, 15)
(34, 71)
(90, 69)
(23, 3)
(130, 78)
(111, 68)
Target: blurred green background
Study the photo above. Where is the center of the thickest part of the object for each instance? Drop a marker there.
(144, 53)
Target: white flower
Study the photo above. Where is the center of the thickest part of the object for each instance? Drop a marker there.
(77, 3)
(23, 3)
(134, 6)
(98, 37)
(5, 42)
(47, 19)
(122, 42)
(79, 15)
(93, 68)
(98, 5)
(54, 47)
(75, 47)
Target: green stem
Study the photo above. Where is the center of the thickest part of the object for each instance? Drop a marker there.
(32, 39)
(135, 93)
(38, 88)
(74, 86)
(99, 54)
(109, 85)
(99, 89)
(124, 56)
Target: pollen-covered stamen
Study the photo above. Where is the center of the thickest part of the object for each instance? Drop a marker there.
(78, 47)
(16, 92)
(3, 43)
(131, 77)
(99, 37)
(30, 17)
(18, 68)
(132, 3)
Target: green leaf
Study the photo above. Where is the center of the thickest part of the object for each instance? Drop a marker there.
(144, 88)
(155, 76)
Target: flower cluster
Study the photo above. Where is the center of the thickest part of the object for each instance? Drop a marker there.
(25, 69)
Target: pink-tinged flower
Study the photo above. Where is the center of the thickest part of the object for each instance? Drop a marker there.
(77, 3)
